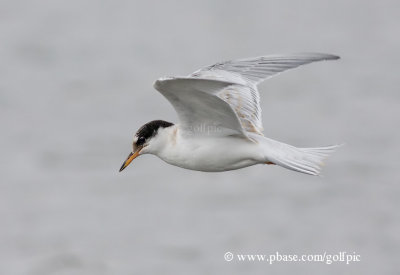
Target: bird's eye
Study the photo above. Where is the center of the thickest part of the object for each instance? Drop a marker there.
(140, 141)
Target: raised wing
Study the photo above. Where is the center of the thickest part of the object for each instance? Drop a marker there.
(244, 98)
(200, 111)
(255, 70)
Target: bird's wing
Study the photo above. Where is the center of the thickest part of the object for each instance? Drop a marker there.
(200, 111)
(255, 70)
(245, 101)
(244, 98)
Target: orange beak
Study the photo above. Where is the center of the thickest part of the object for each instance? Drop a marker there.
(129, 159)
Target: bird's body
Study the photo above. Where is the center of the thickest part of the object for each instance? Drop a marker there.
(220, 125)
(208, 154)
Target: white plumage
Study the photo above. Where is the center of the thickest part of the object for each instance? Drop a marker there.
(220, 125)
(235, 82)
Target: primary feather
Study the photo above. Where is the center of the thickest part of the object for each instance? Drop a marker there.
(254, 70)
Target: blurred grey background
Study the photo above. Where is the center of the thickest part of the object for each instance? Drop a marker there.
(76, 83)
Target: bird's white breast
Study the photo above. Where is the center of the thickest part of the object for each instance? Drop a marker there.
(209, 153)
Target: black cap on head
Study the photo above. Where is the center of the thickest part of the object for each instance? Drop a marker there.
(149, 130)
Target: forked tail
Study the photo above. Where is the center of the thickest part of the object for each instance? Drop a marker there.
(304, 160)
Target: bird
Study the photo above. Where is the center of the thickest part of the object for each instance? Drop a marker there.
(220, 127)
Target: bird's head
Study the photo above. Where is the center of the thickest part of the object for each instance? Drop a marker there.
(148, 140)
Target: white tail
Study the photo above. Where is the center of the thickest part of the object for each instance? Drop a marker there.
(304, 160)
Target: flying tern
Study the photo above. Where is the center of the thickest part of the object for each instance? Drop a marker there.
(220, 126)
